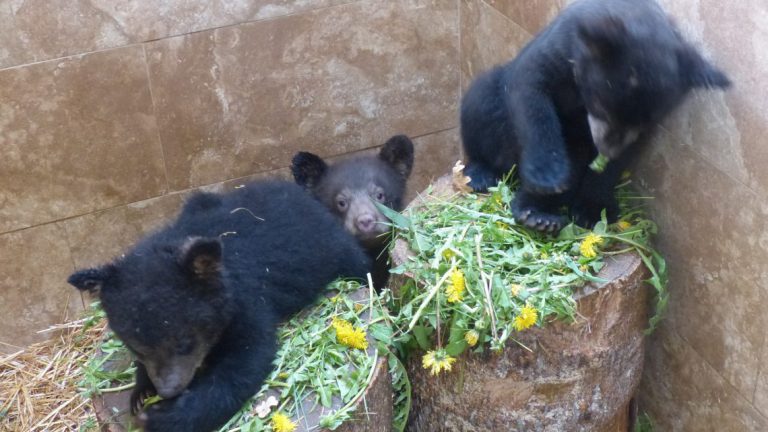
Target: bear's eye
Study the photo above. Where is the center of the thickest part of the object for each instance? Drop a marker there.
(380, 196)
(341, 203)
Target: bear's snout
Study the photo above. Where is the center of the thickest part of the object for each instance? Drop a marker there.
(365, 223)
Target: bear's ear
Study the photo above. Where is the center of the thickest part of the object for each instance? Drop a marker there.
(603, 37)
(697, 72)
(201, 257)
(308, 169)
(398, 153)
(91, 280)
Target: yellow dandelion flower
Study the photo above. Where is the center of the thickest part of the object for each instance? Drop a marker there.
(282, 423)
(346, 334)
(515, 289)
(587, 246)
(583, 268)
(334, 299)
(526, 318)
(624, 225)
(455, 291)
(437, 361)
(471, 337)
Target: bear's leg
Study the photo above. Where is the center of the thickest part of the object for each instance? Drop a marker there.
(487, 135)
(545, 167)
(596, 192)
(538, 212)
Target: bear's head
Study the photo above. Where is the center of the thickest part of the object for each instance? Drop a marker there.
(167, 303)
(349, 188)
(633, 72)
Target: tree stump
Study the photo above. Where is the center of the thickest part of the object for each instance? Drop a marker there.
(373, 411)
(576, 376)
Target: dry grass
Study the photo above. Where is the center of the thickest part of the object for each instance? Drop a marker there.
(39, 385)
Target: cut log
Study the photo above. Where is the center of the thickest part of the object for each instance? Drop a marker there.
(563, 377)
(373, 411)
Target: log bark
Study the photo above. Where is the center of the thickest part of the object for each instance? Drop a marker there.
(373, 411)
(576, 376)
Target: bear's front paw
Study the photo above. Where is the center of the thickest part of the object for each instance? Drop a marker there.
(166, 415)
(481, 178)
(546, 176)
(586, 213)
(138, 396)
(537, 219)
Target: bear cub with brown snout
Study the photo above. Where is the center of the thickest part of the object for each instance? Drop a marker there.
(351, 187)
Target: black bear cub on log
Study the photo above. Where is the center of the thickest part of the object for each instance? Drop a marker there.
(599, 77)
(350, 187)
(198, 301)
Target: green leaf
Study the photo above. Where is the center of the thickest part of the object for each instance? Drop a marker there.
(381, 332)
(422, 243)
(572, 265)
(325, 396)
(398, 220)
(567, 233)
(422, 334)
(455, 348)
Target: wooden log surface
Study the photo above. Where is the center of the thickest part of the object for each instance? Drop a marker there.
(576, 376)
(373, 411)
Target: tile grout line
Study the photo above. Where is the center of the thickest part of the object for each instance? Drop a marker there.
(198, 187)
(760, 370)
(679, 141)
(718, 374)
(363, 149)
(713, 369)
(172, 36)
(157, 121)
(486, 4)
(459, 60)
(63, 230)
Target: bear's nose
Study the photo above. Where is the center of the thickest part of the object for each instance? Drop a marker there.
(365, 223)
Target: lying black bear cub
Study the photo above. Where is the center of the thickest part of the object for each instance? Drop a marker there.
(198, 301)
(350, 187)
(599, 77)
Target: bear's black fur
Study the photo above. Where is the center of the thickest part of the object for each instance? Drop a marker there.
(599, 77)
(350, 187)
(199, 300)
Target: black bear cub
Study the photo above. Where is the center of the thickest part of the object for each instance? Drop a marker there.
(350, 187)
(198, 301)
(599, 77)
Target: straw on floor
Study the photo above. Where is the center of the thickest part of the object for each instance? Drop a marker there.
(39, 384)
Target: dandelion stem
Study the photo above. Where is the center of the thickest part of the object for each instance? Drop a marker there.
(426, 301)
(486, 285)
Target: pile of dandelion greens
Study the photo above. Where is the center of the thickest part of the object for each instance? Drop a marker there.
(323, 362)
(477, 278)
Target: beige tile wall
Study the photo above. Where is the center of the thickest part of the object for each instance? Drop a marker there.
(707, 368)
(112, 111)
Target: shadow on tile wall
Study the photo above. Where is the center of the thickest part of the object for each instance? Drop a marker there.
(112, 111)
(707, 368)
